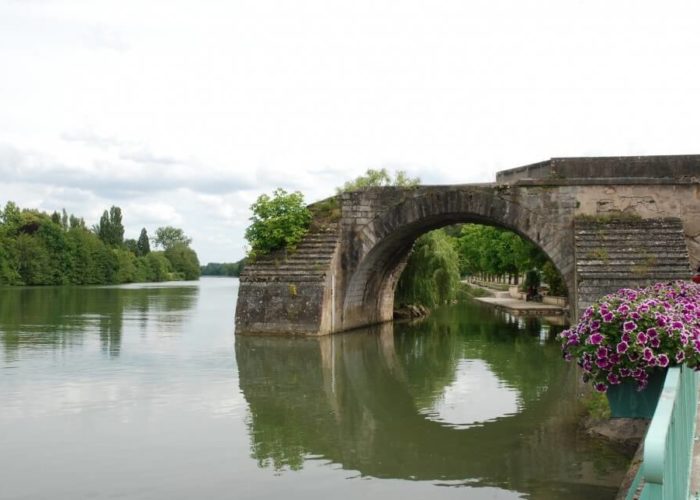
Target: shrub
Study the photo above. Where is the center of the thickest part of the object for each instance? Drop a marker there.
(280, 221)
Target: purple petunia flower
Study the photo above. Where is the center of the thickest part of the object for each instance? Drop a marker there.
(648, 354)
(642, 338)
(600, 387)
(663, 360)
(608, 317)
(622, 347)
(680, 356)
(613, 379)
(601, 353)
(629, 326)
(652, 333)
(596, 338)
(655, 343)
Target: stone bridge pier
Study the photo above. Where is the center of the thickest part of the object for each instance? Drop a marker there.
(605, 223)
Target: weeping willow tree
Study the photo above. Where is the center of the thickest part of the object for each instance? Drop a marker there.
(431, 276)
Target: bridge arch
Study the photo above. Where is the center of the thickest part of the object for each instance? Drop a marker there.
(379, 248)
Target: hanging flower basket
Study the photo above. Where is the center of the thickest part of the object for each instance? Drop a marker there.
(626, 340)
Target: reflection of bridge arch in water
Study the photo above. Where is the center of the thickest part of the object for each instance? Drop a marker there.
(352, 399)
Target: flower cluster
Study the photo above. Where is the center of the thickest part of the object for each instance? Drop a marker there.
(627, 334)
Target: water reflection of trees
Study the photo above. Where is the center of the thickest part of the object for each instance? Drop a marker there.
(59, 317)
(353, 399)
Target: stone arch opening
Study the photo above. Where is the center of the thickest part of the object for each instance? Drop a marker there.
(380, 248)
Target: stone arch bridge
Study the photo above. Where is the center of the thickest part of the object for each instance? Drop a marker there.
(605, 223)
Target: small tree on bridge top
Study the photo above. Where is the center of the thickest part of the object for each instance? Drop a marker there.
(279, 221)
(379, 178)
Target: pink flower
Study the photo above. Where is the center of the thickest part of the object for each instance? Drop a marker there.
(629, 326)
(663, 360)
(622, 347)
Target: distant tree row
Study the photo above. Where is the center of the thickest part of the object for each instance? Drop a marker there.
(491, 252)
(58, 249)
(223, 269)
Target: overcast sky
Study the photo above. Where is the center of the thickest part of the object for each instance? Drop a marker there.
(182, 112)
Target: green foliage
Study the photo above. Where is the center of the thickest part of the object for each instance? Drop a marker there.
(532, 279)
(143, 247)
(57, 249)
(554, 280)
(595, 405)
(326, 211)
(223, 269)
(110, 229)
(159, 267)
(466, 291)
(496, 251)
(184, 261)
(280, 221)
(168, 236)
(431, 276)
(378, 178)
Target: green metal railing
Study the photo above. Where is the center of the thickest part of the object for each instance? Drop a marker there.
(665, 471)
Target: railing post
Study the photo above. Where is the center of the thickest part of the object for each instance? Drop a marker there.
(669, 439)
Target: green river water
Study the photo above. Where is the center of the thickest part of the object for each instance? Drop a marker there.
(145, 392)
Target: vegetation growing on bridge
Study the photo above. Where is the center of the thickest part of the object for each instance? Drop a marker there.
(278, 221)
(379, 178)
(59, 249)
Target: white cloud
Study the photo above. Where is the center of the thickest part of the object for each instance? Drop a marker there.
(199, 106)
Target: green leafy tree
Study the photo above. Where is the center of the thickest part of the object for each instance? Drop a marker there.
(126, 266)
(431, 276)
(183, 261)
(556, 283)
(103, 228)
(168, 236)
(143, 247)
(159, 268)
(131, 245)
(279, 221)
(379, 178)
(110, 228)
(116, 226)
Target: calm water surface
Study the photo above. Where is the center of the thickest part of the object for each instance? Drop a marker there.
(144, 392)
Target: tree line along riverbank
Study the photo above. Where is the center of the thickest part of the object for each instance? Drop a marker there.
(37, 248)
